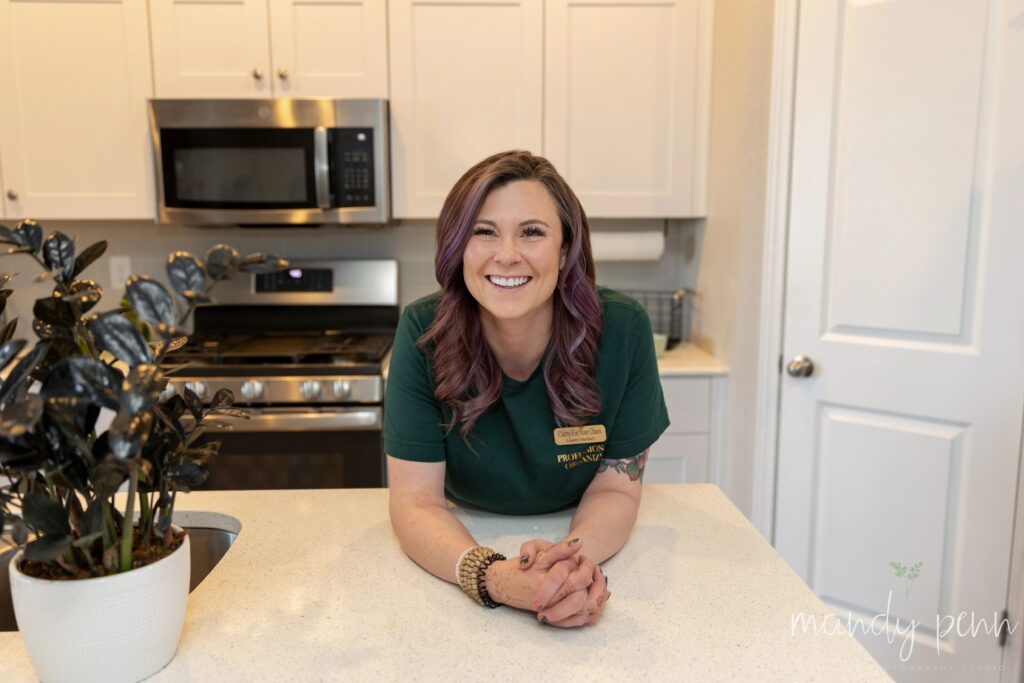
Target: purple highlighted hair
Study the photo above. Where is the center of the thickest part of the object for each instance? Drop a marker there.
(466, 373)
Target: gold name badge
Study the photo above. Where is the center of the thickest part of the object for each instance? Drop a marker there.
(567, 436)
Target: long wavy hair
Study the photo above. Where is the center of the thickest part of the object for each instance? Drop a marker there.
(466, 373)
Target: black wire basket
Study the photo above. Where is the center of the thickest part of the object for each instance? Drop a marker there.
(669, 312)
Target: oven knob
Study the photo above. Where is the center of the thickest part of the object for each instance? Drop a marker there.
(198, 387)
(252, 389)
(342, 388)
(310, 390)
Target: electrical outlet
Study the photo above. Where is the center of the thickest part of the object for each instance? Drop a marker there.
(120, 270)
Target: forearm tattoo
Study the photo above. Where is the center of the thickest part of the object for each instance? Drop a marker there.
(633, 467)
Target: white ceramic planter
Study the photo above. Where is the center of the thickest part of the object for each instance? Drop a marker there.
(116, 628)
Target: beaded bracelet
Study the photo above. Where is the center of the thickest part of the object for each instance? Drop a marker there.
(472, 573)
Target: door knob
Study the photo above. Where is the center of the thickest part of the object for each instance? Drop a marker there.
(257, 73)
(12, 195)
(282, 73)
(801, 366)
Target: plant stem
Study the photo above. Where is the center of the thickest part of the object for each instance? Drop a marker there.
(129, 514)
(145, 512)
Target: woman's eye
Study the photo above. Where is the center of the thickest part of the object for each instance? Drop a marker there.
(483, 231)
(534, 231)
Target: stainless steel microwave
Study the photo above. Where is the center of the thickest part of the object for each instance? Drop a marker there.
(307, 161)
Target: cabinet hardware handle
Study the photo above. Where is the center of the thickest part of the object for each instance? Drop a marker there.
(282, 73)
(257, 73)
(12, 195)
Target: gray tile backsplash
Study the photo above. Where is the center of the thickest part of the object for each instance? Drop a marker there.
(410, 242)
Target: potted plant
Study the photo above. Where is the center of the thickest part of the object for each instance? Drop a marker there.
(101, 581)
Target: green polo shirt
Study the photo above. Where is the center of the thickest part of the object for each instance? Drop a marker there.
(518, 468)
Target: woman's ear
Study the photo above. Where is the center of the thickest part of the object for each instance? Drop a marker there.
(561, 258)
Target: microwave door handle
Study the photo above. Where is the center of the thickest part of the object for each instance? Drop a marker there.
(321, 168)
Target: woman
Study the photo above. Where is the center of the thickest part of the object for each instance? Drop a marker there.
(520, 388)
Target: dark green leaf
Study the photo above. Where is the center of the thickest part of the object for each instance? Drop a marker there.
(129, 432)
(222, 260)
(116, 334)
(48, 331)
(171, 421)
(168, 345)
(187, 476)
(47, 548)
(185, 273)
(88, 256)
(20, 417)
(84, 377)
(22, 370)
(19, 531)
(8, 236)
(194, 403)
(88, 539)
(86, 293)
(106, 479)
(150, 300)
(44, 514)
(5, 278)
(5, 294)
(263, 263)
(59, 254)
(31, 234)
(7, 333)
(223, 397)
(55, 311)
(9, 350)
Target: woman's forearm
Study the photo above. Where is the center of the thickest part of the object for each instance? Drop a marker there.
(432, 537)
(603, 521)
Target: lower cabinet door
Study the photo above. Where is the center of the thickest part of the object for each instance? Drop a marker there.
(678, 459)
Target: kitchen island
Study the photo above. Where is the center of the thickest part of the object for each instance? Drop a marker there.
(316, 588)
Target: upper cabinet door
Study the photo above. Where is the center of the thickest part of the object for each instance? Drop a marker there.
(627, 95)
(211, 48)
(74, 132)
(329, 48)
(466, 82)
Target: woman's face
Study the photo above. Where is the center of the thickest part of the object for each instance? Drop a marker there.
(514, 253)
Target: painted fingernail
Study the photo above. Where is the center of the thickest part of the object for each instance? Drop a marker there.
(606, 580)
(574, 541)
(523, 559)
(544, 619)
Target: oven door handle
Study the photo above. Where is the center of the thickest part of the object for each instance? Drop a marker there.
(355, 419)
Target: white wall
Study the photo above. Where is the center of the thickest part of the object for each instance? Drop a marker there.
(729, 245)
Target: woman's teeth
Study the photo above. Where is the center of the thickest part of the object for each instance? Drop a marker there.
(508, 282)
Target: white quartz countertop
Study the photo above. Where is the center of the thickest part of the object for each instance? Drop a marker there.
(687, 359)
(317, 588)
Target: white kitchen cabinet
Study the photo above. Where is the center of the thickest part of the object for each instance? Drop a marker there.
(269, 48)
(687, 451)
(466, 82)
(626, 103)
(74, 138)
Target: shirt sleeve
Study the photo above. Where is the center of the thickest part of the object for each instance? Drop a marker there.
(412, 416)
(642, 415)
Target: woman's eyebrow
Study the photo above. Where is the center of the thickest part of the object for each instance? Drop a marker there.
(528, 221)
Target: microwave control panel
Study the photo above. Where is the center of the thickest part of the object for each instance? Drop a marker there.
(352, 167)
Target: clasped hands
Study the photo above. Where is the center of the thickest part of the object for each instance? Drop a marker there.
(564, 587)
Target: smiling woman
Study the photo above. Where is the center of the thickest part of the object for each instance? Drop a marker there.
(521, 388)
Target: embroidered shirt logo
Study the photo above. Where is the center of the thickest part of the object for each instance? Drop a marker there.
(592, 453)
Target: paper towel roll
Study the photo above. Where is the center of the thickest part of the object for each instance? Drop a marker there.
(621, 245)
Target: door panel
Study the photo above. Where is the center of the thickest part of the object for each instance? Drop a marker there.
(904, 287)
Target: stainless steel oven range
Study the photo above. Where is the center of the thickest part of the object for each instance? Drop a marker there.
(304, 351)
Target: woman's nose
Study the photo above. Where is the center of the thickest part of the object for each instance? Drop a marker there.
(508, 252)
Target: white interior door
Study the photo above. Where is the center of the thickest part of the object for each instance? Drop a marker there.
(905, 288)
